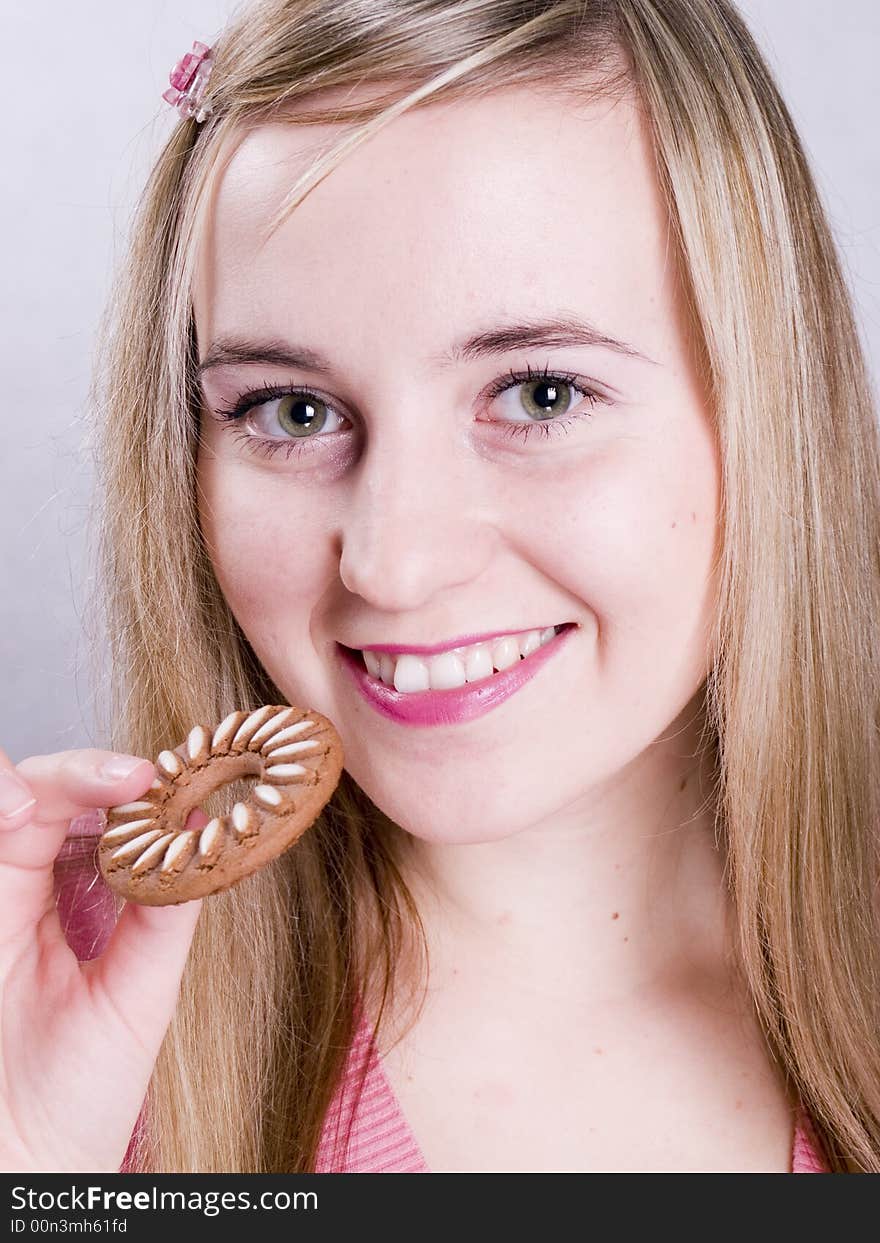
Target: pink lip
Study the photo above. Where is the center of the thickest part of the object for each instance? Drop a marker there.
(452, 707)
(466, 640)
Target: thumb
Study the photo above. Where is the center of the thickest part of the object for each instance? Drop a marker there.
(141, 968)
(140, 971)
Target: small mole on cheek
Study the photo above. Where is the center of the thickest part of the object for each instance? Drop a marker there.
(616, 915)
(674, 525)
(626, 938)
(693, 517)
(684, 782)
(597, 1050)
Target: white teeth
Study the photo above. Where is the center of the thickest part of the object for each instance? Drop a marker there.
(478, 663)
(447, 670)
(411, 674)
(444, 670)
(505, 652)
(531, 642)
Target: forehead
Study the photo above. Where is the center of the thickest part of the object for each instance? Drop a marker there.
(493, 202)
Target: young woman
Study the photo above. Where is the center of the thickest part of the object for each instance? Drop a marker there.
(482, 377)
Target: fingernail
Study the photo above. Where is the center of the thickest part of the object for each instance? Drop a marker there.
(119, 767)
(15, 796)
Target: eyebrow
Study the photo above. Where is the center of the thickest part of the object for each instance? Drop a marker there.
(551, 333)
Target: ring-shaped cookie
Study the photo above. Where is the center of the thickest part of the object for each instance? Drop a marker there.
(146, 853)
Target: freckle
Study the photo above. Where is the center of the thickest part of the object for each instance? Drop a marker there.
(626, 938)
(684, 782)
(693, 517)
(617, 867)
(675, 524)
(616, 915)
(738, 1105)
(597, 1049)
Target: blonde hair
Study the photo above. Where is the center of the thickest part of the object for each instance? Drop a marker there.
(265, 1017)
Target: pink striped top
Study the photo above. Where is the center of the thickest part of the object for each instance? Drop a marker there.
(381, 1141)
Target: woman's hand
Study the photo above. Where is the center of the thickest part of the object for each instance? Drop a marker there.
(77, 1040)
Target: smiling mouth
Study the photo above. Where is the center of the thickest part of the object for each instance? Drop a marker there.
(478, 662)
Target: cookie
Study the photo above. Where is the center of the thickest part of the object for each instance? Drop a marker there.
(147, 855)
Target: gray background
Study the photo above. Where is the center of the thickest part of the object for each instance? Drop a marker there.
(83, 119)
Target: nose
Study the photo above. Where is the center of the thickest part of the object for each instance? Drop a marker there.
(415, 525)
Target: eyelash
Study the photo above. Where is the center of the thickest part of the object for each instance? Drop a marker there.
(252, 399)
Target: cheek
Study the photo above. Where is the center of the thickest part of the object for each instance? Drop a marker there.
(268, 554)
(631, 535)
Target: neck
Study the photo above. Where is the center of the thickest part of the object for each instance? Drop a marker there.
(619, 892)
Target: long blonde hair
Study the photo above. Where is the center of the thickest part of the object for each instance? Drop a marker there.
(265, 1017)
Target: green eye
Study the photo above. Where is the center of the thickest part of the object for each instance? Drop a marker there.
(301, 415)
(550, 397)
(547, 398)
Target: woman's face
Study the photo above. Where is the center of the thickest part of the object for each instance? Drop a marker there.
(403, 497)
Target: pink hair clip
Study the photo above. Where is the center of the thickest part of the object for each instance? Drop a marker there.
(188, 79)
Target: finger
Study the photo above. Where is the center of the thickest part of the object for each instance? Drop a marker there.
(68, 783)
(62, 786)
(196, 819)
(139, 972)
(16, 798)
